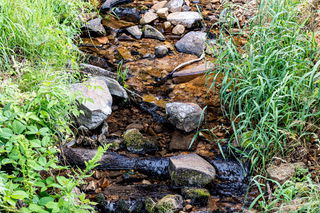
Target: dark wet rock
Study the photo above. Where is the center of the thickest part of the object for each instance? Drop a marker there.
(190, 170)
(100, 62)
(161, 51)
(180, 141)
(163, 12)
(151, 32)
(192, 43)
(108, 4)
(135, 31)
(128, 14)
(159, 5)
(184, 116)
(187, 19)
(284, 171)
(169, 203)
(175, 5)
(97, 107)
(97, 71)
(94, 28)
(148, 17)
(137, 143)
(198, 196)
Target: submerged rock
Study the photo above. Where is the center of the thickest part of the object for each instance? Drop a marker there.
(198, 196)
(192, 43)
(184, 116)
(190, 170)
(137, 143)
(108, 4)
(97, 103)
(151, 32)
(284, 171)
(175, 5)
(135, 31)
(169, 203)
(94, 28)
(161, 51)
(187, 19)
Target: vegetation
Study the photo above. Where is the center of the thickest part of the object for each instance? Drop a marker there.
(36, 106)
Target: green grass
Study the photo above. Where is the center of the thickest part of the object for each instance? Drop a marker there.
(270, 85)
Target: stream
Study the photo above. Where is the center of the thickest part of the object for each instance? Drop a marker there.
(126, 180)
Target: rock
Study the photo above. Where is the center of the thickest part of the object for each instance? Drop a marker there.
(189, 74)
(198, 196)
(151, 32)
(166, 25)
(149, 205)
(163, 12)
(284, 171)
(96, 71)
(178, 30)
(169, 203)
(115, 88)
(148, 17)
(175, 5)
(184, 116)
(128, 14)
(159, 5)
(186, 8)
(113, 141)
(180, 141)
(95, 28)
(135, 31)
(192, 43)
(98, 106)
(187, 19)
(124, 37)
(161, 51)
(137, 143)
(108, 4)
(190, 170)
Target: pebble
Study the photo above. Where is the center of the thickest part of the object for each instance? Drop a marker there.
(175, 5)
(163, 12)
(178, 29)
(161, 51)
(166, 25)
(135, 31)
(159, 5)
(151, 32)
(148, 17)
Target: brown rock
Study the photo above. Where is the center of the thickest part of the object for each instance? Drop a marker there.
(178, 30)
(159, 5)
(284, 171)
(148, 17)
(180, 141)
(163, 12)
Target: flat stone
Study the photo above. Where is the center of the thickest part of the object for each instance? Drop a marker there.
(108, 4)
(135, 31)
(96, 71)
(187, 19)
(190, 170)
(115, 88)
(178, 29)
(284, 171)
(159, 5)
(97, 103)
(169, 203)
(148, 17)
(94, 28)
(184, 116)
(151, 32)
(175, 5)
(192, 43)
(180, 141)
(191, 73)
(161, 51)
(163, 12)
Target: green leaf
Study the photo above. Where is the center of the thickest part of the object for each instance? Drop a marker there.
(33, 130)
(18, 127)
(44, 131)
(52, 205)
(6, 133)
(44, 200)
(37, 208)
(19, 195)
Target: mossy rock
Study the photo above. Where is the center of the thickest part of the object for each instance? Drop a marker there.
(149, 205)
(137, 143)
(169, 204)
(198, 196)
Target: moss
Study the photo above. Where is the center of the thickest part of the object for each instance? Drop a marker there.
(149, 205)
(134, 139)
(198, 196)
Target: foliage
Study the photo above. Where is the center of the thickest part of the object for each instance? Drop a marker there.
(269, 87)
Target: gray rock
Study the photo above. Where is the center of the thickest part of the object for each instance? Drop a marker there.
(148, 17)
(97, 71)
(135, 31)
(184, 116)
(190, 170)
(137, 143)
(169, 203)
(192, 43)
(187, 19)
(161, 51)
(175, 5)
(97, 103)
(95, 28)
(115, 88)
(151, 32)
(108, 4)
(284, 171)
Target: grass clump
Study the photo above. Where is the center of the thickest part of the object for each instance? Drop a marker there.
(270, 85)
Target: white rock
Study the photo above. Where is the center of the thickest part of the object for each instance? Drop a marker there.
(163, 12)
(166, 25)
(178, 30)
(159, 5)
(175, 5)
(148, 17)
(187, 19)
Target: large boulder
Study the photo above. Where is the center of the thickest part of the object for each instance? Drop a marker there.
(97, 102)
(192, 43)
(187, 19)
(184, 116)
(190, 170)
